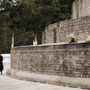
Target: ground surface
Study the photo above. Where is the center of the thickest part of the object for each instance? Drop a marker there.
(8, 83)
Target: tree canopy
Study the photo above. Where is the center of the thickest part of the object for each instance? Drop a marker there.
(28, 18)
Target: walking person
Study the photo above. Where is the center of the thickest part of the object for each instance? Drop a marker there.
(1, 63)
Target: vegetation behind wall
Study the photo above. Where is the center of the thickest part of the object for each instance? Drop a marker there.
(28, 19)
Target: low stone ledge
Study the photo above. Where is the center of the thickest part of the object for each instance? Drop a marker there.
(52, 79)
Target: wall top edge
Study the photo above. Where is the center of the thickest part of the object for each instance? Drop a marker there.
(53, 44)
(69, 20)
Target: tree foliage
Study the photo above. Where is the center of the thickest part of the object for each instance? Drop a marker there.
(28, 18)
(8, 4)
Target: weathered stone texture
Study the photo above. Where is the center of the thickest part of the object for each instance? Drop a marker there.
(58, 32)
(80, 8)
(61, 60)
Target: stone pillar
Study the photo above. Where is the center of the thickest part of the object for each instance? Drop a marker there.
(80, 8)
(12, 44)
(35, 41)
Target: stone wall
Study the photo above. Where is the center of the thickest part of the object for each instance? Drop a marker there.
(61, 59)
(80, 8)
(58, 32)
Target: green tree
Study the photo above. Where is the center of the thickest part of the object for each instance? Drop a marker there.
(28, 19)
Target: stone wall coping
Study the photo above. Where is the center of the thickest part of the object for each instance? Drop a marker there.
(68, 20)
(52, 44)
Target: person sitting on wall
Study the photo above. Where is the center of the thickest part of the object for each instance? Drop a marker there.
(73, 39)
(87, 39)
(1, 63)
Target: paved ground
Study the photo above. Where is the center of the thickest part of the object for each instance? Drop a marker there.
(8, 83)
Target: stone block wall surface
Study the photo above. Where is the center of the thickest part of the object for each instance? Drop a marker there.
(61, 60)
(58, 32)
(80, 8)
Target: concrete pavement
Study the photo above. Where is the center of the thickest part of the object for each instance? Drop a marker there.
(8, 83)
